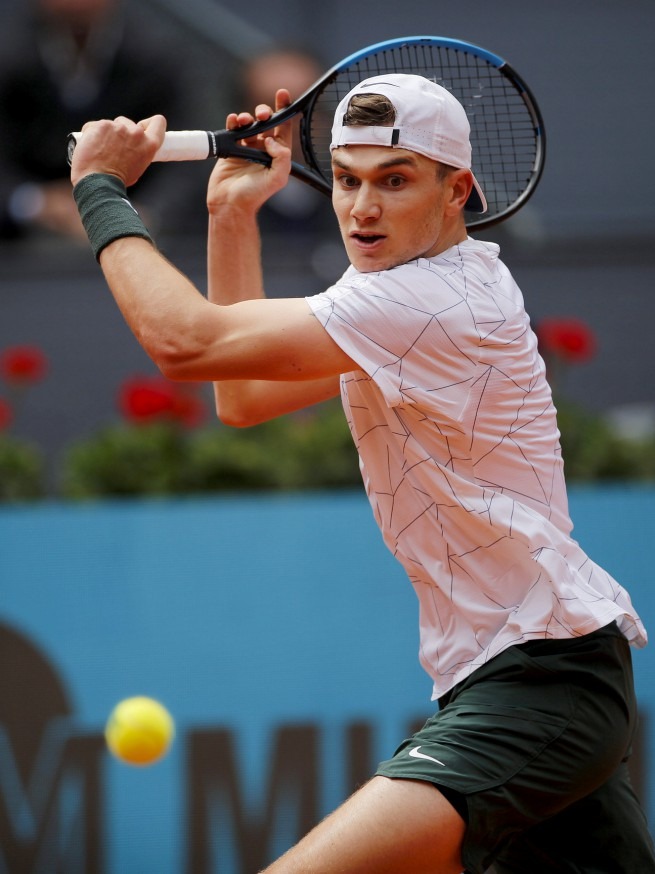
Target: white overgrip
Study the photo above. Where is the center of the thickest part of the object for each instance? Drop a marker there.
(184, 145)
(178, 145)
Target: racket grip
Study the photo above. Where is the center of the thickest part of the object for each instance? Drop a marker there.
(180, 145)
(186, 145)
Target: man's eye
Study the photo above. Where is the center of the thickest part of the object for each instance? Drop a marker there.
(347, 181)
(395, 181)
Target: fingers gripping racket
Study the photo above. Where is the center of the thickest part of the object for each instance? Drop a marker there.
(507, 132)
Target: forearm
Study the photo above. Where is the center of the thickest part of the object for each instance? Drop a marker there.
(187, 336)
(234, 273)
(234, 270)
(164, 310)
(260, 342)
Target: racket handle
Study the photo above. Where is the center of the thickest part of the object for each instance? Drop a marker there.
(186, 145)
(198, 145)
(180, 145)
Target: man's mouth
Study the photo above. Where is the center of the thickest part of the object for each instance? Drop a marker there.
(367, 239)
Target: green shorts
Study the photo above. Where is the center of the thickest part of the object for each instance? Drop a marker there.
(532, 750)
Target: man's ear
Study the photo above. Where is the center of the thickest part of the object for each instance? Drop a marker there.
(460, 183)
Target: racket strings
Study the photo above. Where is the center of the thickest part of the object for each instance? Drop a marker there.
(503, 125)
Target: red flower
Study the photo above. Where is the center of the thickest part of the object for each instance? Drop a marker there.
(23, 364)
(571, 340)
(144, 399)
(154, 398)
(6, 414)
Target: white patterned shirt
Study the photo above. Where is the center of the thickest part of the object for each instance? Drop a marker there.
(459, 450)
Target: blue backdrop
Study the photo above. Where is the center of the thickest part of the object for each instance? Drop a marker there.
(279, 632)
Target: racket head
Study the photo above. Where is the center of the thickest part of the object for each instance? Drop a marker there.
(507, 131)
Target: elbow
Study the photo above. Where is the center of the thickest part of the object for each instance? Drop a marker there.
(235, 417)
(234, 422)
(235, 408)
(175, 369)
(175, 360)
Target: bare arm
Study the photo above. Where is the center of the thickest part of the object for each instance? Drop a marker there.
(236, 191)
(187, 336)
(190, 338)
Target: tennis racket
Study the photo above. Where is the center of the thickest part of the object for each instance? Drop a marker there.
(507, 131)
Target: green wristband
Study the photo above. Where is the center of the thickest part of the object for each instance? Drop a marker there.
(106, 213)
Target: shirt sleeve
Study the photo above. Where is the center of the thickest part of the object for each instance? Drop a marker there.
(407, 328)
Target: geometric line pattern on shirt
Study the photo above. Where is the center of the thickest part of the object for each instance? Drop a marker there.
(457, 437)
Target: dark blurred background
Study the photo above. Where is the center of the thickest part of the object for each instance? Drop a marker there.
(583, 247)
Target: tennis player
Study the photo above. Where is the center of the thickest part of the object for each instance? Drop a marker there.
(526, 639)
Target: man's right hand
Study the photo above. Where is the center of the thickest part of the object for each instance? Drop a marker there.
(122, 148)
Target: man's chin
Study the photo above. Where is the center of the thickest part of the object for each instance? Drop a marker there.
(363, 265)
(371, 263)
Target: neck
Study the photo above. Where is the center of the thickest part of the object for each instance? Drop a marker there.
(452, 233)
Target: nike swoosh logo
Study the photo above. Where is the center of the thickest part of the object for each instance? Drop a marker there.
(125, 200)
(415, 754)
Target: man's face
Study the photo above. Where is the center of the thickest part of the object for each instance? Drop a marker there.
(389, 204)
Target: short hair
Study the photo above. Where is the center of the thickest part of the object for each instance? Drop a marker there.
(371, 110)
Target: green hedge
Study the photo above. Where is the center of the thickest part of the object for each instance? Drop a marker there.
(22, 470)
(309, 450)
(304, 451)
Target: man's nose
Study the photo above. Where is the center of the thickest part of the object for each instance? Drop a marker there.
(366, 206)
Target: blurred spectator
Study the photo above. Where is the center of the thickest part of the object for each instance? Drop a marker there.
(298, 207)
(65, 62)
(296, 68)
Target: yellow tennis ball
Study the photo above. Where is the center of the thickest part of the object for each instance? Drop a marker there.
(139, 731)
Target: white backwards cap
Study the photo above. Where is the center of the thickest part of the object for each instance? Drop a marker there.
(429, 120)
